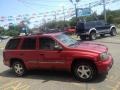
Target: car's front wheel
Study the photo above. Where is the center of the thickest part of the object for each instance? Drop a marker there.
(113, 32)
(102, 35)
(84, 71)
(19, 68)
(92, 35)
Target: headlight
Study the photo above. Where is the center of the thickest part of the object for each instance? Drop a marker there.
(104, 56)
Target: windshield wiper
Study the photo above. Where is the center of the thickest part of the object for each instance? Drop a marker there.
(77, 43)
(72, 44)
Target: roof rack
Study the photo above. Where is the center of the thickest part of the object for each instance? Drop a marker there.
(49, 31)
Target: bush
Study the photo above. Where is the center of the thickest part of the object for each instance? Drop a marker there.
(10, 33)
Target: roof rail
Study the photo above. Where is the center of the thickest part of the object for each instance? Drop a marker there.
(36, 34)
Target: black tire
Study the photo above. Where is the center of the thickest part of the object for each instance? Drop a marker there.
(84, 72)
(83, 37)
(102, 35)
(113, 32)
(19, 68)
(92, 35)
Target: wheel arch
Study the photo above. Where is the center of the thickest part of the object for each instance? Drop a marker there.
(92, 30)
(14, 60)
(83, 60)
(112, 27)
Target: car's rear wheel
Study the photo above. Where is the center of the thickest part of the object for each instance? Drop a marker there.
(92, 35)
(102, 35)
(19, 68)
(84, 71)
(113, 32)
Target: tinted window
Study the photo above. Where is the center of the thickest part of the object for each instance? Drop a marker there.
(12, 44)
(46, 43)
(98, 23)
(90, 24)
(29, 43)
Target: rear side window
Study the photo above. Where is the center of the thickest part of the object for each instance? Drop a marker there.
(12, 44)
(98, 23)
(29, 43)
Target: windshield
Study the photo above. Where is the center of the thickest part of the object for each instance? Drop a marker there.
(66, 40)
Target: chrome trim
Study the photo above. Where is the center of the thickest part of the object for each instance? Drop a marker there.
(43, 61)
(112, 27)
(50, 62)
(87, 33)
(92, 29)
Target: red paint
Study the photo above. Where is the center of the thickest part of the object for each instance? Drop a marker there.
(60, 60)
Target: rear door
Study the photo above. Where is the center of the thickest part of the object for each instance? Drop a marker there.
(28, 52)
(11, 50)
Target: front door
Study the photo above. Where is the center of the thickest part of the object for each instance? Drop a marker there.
(101, 27)
(50, 58)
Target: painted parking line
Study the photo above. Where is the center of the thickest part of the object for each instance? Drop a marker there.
(0, 78)
(93, 89)
(15, 85)
(115, 87)
(83, 85)
(1, 48)
(20, 86)
(9, 84)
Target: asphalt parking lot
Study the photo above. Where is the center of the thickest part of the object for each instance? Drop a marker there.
(53, 80)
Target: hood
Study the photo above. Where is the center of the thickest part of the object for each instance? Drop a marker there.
(90, 46)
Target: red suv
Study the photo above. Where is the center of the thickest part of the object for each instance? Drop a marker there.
(57, 52)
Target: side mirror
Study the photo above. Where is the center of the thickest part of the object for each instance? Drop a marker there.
(107, 24)
(57, 47)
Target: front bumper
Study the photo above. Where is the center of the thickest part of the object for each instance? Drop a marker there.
(82, 33)
(104, 66)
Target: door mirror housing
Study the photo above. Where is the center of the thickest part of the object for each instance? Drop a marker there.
(107, 24)
(57, 47)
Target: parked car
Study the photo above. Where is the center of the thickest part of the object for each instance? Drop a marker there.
(3, 38)
(70, 30)
(92, 28)
(57, 52)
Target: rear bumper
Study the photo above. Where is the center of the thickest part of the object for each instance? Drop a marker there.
(86, 33)
(6, 62)
(104, 66)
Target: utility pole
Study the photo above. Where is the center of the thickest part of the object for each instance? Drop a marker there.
(55, 16)
(76, 11)
(104, 6)
(64, 14)
(75, 2)
(93, 13)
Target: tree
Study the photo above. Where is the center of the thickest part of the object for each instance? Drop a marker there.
(13, 30)
(55, 24)
(1, 29)
(112, 16)
(72, 22)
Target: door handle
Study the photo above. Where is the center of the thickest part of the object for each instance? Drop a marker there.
(21, 54)
(42, 54)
